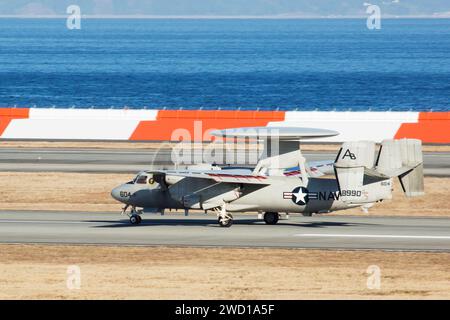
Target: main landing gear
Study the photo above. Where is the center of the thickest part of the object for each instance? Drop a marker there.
(134, 215)
(226, 222)
(224, 218)
(271, 218)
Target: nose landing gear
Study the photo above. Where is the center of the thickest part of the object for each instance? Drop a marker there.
(135, 219)
(134, 215)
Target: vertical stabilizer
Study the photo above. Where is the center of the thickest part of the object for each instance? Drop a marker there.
(352, 160)
(403, 159)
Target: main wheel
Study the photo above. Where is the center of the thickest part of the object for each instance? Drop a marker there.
(135, 219)
(225, 223)
(271, 217)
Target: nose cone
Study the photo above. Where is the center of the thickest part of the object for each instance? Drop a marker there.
(117, 194)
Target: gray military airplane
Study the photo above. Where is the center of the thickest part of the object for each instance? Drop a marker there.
(282, 181)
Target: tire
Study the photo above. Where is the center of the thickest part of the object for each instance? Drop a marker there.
(135, 219)
(225, 223)
(271, 218)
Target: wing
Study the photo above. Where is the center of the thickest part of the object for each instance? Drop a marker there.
(228, 177)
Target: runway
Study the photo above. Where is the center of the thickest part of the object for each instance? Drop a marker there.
(132, 160)
(173, 229)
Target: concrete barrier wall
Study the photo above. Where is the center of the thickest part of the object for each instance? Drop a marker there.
(112, 124)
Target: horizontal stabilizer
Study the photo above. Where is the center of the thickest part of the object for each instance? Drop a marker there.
(387, 174)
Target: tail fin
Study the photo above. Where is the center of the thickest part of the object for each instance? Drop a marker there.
(356, 171)
(350, 164)
(403, 158)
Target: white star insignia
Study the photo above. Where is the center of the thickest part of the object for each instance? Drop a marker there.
(300, 196)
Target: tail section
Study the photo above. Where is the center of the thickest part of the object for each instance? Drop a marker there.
(403, 158)
(361, 179)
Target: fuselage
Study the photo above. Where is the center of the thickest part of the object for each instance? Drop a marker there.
(282, 194)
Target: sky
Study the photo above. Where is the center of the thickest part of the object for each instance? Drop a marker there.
(282, 8)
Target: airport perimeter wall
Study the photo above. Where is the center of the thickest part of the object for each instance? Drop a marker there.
(165, 125)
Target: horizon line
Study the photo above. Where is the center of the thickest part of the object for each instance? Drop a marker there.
(445, 15)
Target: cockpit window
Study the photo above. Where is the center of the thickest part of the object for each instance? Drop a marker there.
(141, 179)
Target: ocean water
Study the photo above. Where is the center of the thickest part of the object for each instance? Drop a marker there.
(227, 64)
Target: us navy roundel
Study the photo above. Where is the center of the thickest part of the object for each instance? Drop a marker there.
(300, 196)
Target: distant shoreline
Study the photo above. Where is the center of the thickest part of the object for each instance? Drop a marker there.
(276, 17)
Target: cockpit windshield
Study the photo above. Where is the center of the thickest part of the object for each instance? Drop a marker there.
(140, 179)
(145, 178)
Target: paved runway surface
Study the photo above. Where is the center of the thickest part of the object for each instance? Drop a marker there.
(329, 232)
(131, 161)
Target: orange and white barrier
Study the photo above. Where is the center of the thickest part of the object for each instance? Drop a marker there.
(165, 125)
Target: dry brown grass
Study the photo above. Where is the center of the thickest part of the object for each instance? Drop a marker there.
(157, 145)
(59, 191)
(79, 144)
(91, 192)
(39, 272)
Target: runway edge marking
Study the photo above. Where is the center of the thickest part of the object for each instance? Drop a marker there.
(387, 236)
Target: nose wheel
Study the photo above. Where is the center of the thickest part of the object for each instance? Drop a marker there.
(134, 215)
(135, 219)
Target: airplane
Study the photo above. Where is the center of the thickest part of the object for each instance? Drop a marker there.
(282, 181)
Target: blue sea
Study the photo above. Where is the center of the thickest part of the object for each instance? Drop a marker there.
(257, 63)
